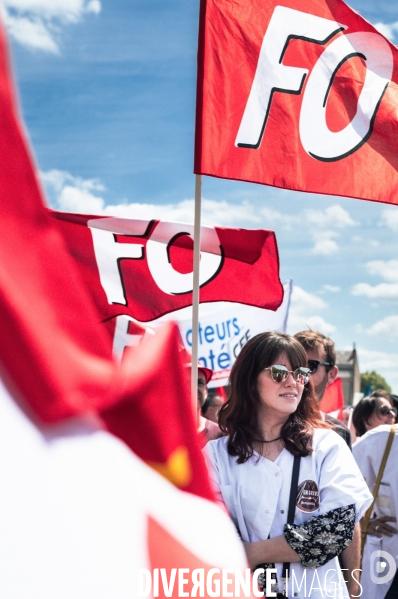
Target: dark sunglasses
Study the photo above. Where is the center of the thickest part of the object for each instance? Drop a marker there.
(313, 365)
(279, 374)
(386, 411)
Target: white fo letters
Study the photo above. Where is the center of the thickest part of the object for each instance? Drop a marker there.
(109, 253)
(271, 75)
(316, 137)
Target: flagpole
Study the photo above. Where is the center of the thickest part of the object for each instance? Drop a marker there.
(195, 292)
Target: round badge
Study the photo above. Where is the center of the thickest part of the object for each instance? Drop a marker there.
(307, 496)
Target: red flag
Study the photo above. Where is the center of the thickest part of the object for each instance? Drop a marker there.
(71, 493)
(52, 349)
(154, 415)
(302, 96)
(143, 269)
(81, 516)
(55, 359)
(333, 399)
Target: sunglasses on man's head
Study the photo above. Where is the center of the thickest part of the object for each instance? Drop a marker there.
(313, 365)
(280, 373)
(386, 411)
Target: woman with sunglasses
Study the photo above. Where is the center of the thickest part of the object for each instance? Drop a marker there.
(372, 411)
(271, 417)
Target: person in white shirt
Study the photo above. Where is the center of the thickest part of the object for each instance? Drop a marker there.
(382, 532)
(271, 416)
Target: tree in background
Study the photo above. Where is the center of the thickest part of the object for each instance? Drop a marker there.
(370, 381)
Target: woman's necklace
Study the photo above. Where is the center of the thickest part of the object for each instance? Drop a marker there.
(271, 441)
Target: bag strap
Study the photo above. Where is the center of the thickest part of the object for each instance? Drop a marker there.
(292, 506)
(376, 487)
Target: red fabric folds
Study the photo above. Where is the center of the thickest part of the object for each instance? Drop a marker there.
(53, 351)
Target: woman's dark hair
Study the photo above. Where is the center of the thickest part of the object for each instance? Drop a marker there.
(365, 408)
(239, 415)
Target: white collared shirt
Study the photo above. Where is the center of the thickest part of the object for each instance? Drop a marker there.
(257, 492)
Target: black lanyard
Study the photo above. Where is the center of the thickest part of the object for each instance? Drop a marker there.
(290, 514)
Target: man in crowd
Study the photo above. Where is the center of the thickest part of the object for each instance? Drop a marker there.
(321, 354)
(212, 406)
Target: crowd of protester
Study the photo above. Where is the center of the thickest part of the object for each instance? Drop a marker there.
(268, 433)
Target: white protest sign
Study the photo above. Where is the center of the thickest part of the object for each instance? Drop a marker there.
(223, 333)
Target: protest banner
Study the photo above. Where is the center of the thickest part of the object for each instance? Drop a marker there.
(301, 96)
(223, 333)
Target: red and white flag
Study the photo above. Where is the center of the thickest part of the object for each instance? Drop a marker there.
(52, 350)
(80, 515)
(302, 95)
(143, 269)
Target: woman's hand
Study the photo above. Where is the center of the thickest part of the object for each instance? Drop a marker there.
(274, 550)
(379, 527)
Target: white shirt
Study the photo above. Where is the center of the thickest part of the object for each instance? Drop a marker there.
(257, 492)
(368, 452)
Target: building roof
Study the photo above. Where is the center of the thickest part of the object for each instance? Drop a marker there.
(346, 358)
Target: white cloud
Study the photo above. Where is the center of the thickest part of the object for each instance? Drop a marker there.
(334, 216)
(302, 314)
(71, 199)
(317, 323)
(272, 218)
(389, 218)
(31, 32)
(386, 269)
(389, 30)
(302, 301)
(58, 179)
(94, 6)
(324, 224)
(384, 291)
(332, 288)
(36, 23)
(382, 362)
(325, 244)
(388, 327)
(74, 194)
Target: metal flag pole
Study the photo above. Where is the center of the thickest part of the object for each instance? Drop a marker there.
(195, 292)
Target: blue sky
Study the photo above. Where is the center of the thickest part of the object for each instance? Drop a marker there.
(107, 91)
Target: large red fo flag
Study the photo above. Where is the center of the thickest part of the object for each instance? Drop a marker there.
(143, 269)
(302, 96)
